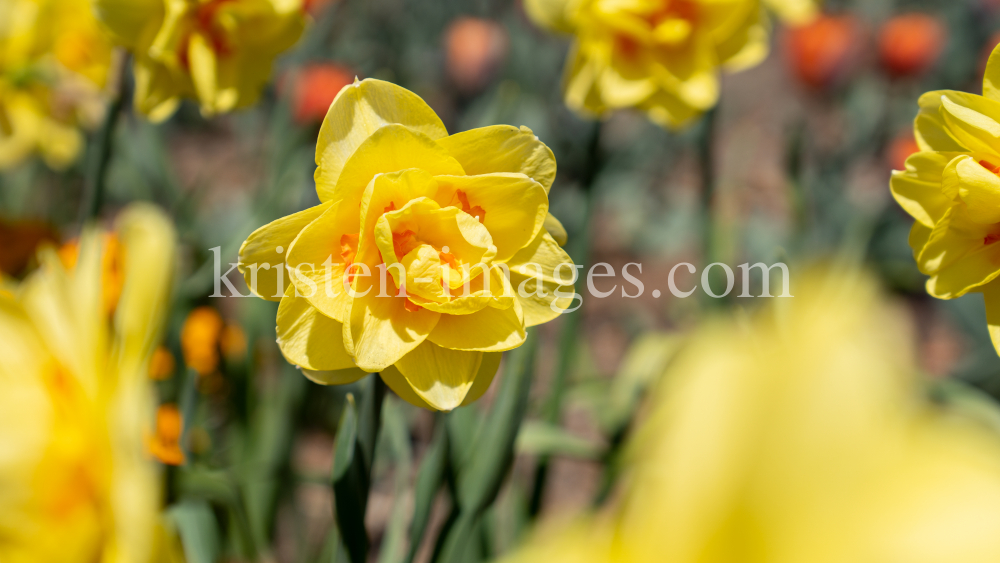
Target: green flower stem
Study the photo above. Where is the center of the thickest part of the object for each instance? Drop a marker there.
(354, 455)
(479, 480)
(568, 336)
(429, 479)
(101, 153)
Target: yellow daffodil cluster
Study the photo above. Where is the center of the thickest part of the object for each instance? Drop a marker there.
(800, 437)
(54, 61)
(218, 52)
(429, 255)
(76, 481)
(952, 189)
(662, 57)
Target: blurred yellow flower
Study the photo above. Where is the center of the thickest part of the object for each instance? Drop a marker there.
(54, 60)
(76, 483)
(218, 52)
(404, 205)
(803, 436)
(952, 189)
(660, 56)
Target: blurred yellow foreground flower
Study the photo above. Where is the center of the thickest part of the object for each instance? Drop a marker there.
(76, 482)
(800, 438)
(216, 51)
(54, 60)
(448, 214)
(660, 56)
(952, 188)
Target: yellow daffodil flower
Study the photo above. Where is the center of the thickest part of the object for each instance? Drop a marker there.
(54, 60)
(660, 56)
(803, 436)
(76, 481)
(952, 189)
(216, 51)
(428, 256)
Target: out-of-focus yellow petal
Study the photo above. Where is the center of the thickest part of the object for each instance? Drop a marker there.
(359, 111)
(308, 338)
(204, 68)
(381, 329)
(441, 377)
(487, 330)
(128, 20)
(259, 252)
(794, 12)
(149, 249)
(503, 148)
(533, 272)
(515, 206)
(553, 14)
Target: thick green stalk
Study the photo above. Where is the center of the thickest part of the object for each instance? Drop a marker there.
(709, 228)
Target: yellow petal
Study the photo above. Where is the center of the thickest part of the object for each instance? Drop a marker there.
(308, 338)
(930, 129)
(920, 190)
(991, 80)
(487, 330)
(441, 377)
(794, 12)
(991, 295)
(389, 191)
(958, 256)
(525, 277)
(381, 329)
(316, 264)
(261, 249)
(972, 120)
(749, 44)
(401, 387)
(484, 377)
(393, 148)
(555, 228)
(978, 187)
(503, 148)
(334, 377)
(667, 110)
(356, 113)
(515, 207)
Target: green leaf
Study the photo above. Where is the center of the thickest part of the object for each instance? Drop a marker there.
(198, 530)
(541, 438)
(429, 479)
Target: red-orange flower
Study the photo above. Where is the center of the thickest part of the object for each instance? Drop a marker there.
(820, 53)
(314, 88)
(165, 444)
(909, 44)
(475, 49)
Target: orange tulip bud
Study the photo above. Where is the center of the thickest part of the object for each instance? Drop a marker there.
(910, 44)
(314, 88)
(475, 49)
(822, 52)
